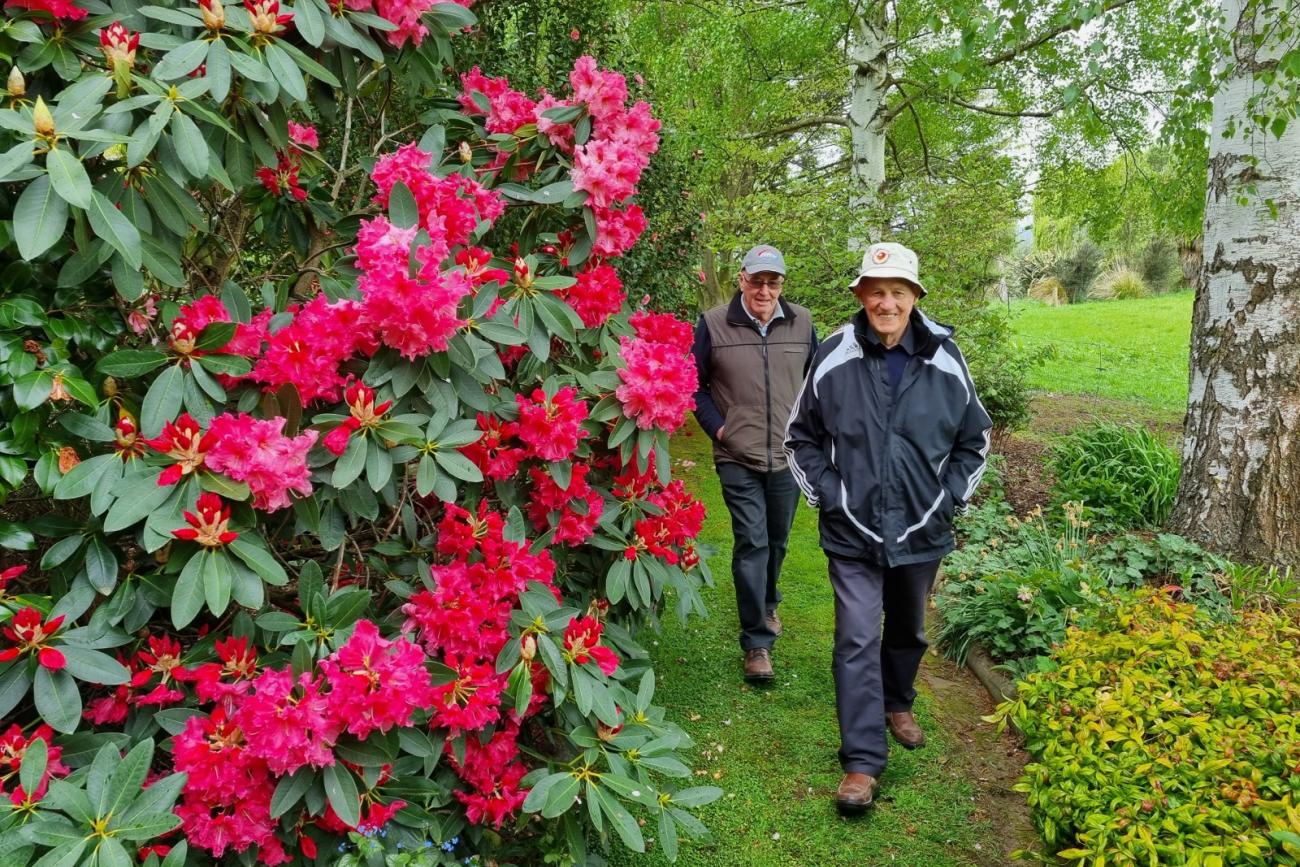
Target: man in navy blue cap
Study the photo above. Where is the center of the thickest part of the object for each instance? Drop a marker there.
(752, 354)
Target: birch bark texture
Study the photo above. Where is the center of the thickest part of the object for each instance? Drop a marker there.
(868, 127)
(1240, 487)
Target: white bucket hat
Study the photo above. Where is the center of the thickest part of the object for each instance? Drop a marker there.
(889, 260)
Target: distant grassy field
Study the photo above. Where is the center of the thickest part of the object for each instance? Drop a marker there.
(1128, 350)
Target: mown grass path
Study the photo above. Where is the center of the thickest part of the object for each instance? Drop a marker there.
(773, 750)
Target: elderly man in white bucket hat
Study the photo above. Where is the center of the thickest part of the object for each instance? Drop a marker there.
(887, 439)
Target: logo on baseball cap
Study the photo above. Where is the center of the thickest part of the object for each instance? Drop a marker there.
(763, 258)
(890, 260)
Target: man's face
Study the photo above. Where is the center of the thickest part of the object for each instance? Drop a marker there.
(760, 291)
(888, 302)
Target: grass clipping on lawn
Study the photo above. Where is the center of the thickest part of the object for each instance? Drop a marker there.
(1164, 736)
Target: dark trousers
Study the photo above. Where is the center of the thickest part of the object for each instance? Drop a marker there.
(762, 509)
(875, 667)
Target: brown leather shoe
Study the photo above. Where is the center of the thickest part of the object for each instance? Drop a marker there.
(903, 726)
(758, 665)
(773, 623)
(856, 793)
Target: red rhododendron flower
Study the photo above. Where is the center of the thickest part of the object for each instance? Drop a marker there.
(227, 681)
(254, 451)
(13, 746)
(472, 700)
(119, 45)
(597, 295)
(29, 631)
(284, 177)
(551, 426)
(208, 523)
(62, 10)
(185, 442)
(8, 575)
(494, 452)
(579, 506)
(582, 644)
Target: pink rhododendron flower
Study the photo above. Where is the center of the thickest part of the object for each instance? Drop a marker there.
(307, 352)
(414, 315)
(507, 109)
(450, 208)
(405, 14)
(560, 134)
(663, 328)
(303, 134)
(609, 171)
(375, 683)
(551, 426)
(285, 723)
(617, 230)
(604, 92)
(256, 452)
(192, 319)
(658, 383)
(227, 681)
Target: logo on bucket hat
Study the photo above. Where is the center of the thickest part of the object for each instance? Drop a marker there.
(886, 259)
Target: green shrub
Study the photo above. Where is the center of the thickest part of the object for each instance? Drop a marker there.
(1077, 270)
(1014, 594)
(1125, 475)
(1159, 265)
(1164, 737)
(1120, 284)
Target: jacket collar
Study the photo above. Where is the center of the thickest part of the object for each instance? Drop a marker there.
(736, 314)
(925, 335)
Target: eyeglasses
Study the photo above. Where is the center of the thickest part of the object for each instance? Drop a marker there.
(765, 284)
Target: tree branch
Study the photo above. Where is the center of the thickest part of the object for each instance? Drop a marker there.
(1047, 35)
(795, 126)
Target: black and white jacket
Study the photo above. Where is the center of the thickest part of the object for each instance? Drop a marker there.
(888, 469)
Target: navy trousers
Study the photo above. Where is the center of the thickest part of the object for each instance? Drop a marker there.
(879, 642)
(762, 509)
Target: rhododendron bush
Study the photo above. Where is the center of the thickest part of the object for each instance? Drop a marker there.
(334, 472)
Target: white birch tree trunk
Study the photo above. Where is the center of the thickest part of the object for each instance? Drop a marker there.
(868, 62)
(1240, 488)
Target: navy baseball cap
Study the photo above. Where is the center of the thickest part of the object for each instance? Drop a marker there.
(764, 257)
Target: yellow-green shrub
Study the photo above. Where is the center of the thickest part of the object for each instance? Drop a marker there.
(1164, 738)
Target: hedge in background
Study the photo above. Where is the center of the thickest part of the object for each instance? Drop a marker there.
(1164, 737)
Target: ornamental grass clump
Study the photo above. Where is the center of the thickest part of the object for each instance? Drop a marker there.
(1165, 737)
(1126, 476)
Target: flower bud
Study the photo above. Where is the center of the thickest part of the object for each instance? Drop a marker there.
(17, 84)
(528, 648)
(110, 387)
(466, 154)
(42, 120)
(214, 14)
(118, 45)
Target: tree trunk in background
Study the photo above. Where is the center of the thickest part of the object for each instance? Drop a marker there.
(868, 61)
(1240, 488)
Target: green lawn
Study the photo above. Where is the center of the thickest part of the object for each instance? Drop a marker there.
(1128, 350)
(774, 750)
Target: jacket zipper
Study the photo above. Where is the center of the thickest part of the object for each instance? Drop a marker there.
(767, 386)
